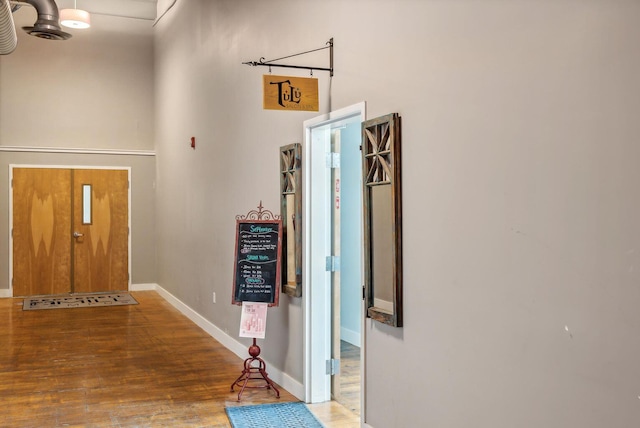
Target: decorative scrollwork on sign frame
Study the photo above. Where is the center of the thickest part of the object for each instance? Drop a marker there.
(259, 214)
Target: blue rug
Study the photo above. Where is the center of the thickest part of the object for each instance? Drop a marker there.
(278, 415)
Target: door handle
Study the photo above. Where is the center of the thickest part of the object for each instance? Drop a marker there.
(78, 235)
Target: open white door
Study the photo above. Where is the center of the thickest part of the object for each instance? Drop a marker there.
(320, 209)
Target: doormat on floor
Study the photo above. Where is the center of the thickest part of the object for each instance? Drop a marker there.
(78, 301)
(278, 415)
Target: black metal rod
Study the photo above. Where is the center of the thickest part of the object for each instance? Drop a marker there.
(298, 54)
(331, 56)
(255, 64)
(304, 67)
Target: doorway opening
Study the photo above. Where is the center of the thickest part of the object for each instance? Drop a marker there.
(69, 230)
(332, 265)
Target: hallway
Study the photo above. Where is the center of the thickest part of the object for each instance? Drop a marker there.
(140, 365)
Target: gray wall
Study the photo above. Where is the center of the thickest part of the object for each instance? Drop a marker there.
(520, 200)
(143, 265)
(94, 91)
(519, 173)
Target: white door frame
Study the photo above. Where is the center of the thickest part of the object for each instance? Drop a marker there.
(316, 243)
(37, 166)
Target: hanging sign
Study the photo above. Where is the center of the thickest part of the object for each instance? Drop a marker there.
(257, 261)
(290, 93)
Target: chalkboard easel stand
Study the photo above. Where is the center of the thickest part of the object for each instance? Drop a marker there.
(253, 372)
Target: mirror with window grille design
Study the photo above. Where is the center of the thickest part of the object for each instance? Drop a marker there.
(291, 213)
(382, 219)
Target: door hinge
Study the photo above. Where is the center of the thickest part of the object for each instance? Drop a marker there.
(332, 264)
(333, 160)
(333, 366)
(364, 293)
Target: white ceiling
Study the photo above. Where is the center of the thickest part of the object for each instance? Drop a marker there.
(141, 9)
(120, 16)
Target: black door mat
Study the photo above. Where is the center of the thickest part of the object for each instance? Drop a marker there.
(78, 301)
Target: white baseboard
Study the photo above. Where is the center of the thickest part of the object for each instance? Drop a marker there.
(353, 337)
(383, 304)
(290, 384)
(143, 287)
(6, 292)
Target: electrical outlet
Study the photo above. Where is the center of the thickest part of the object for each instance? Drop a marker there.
(214, 297)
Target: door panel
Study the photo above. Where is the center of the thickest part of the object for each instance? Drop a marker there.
(335, 275)
(41, 231)
(101, 252)
(48, 210)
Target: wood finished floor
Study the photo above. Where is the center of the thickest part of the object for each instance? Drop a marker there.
(143, 365)
(350, 377)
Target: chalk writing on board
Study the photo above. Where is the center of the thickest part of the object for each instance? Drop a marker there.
(257, 267)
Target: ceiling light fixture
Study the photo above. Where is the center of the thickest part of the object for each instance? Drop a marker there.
(75, 18)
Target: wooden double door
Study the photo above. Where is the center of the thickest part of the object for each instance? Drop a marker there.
(70, 231)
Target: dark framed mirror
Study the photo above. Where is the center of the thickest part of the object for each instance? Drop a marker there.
(382, 203)
(291, 214)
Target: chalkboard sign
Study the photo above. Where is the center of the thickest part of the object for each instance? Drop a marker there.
(257, 261)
